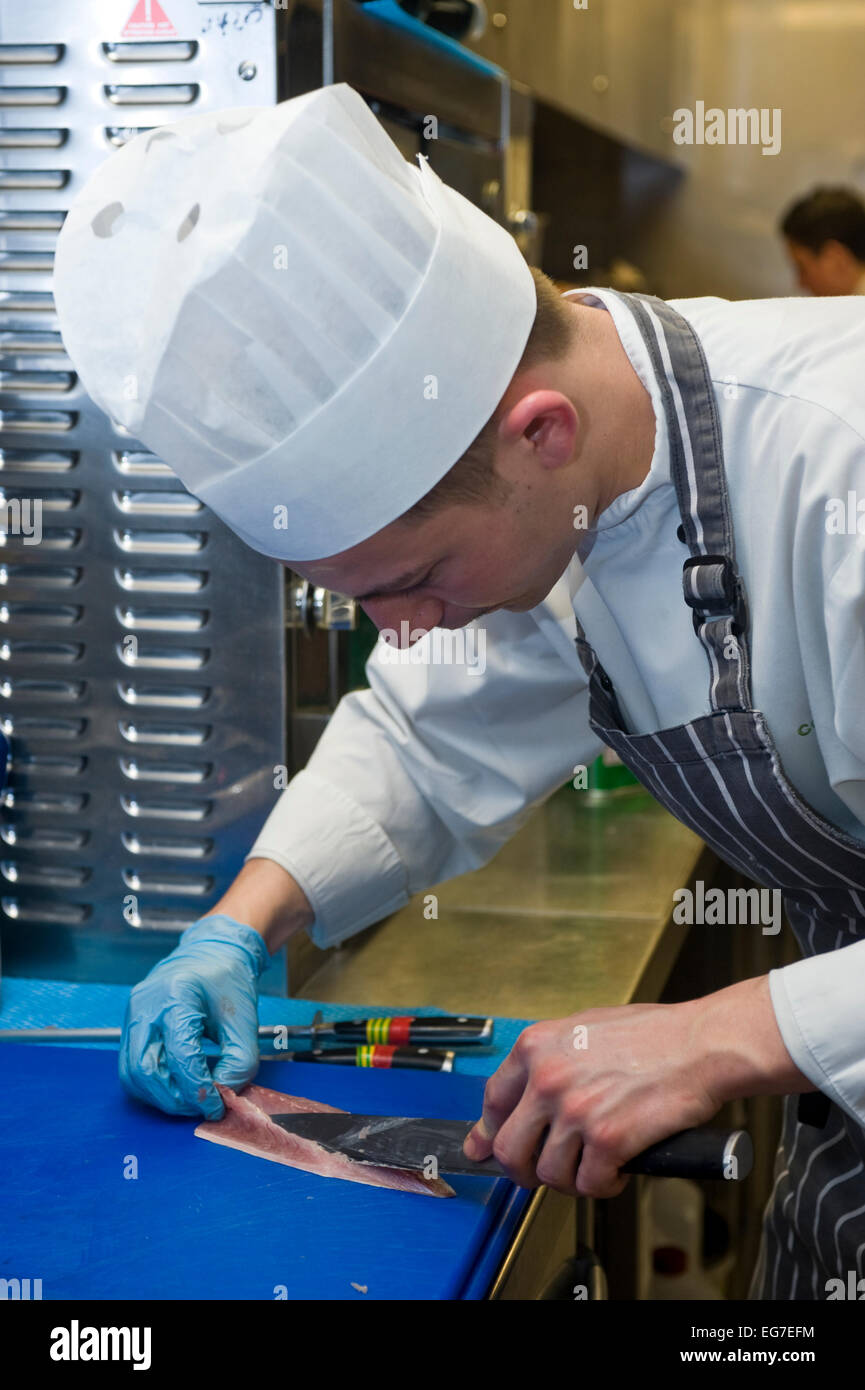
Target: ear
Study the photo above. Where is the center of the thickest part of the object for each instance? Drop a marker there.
(545, 420)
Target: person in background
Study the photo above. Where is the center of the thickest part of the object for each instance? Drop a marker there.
(825, 236)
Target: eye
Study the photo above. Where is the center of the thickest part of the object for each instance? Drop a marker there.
(431, 573)
(421, 583)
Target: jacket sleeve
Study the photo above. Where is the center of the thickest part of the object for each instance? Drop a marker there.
(818, 1008)
(819, 1002)
(427, 774)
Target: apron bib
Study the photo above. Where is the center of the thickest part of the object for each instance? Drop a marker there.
(721, 775)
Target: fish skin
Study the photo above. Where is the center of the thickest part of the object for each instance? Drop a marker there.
(246, 1125)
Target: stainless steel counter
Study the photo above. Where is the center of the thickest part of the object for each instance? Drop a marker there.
(574, 912)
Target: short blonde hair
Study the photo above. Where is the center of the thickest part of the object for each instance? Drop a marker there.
(473, 477)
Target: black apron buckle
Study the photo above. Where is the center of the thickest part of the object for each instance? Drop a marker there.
(712, 589)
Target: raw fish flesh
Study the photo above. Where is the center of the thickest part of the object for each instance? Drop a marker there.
(247, 1125)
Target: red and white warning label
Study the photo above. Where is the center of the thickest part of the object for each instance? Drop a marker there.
(148, 21)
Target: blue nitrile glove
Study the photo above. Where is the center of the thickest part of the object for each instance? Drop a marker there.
(208, 986)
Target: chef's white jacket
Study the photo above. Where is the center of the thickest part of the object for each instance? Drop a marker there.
(426, 774)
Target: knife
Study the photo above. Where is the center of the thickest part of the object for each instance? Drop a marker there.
(403, 1031)
(411, 1058)
(397, 1032)
(393, 1141)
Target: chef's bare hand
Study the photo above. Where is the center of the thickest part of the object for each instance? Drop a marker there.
(607, 1083)
(208, 986)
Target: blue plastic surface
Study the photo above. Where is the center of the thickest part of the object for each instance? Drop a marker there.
(203, 1221)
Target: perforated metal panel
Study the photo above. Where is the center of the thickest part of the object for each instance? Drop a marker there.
(142, 646)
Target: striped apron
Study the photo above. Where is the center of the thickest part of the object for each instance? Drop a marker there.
(721, 775)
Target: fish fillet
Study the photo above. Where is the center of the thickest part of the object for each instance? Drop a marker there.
(247, 1125)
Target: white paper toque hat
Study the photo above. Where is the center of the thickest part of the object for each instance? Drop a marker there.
(296, 319)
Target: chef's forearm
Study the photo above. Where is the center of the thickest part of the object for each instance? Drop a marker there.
(266, 897)
(742, 1052)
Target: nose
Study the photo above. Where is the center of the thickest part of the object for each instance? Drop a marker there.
(403, 620)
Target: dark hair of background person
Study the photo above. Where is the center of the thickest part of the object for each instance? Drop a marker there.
(827, 214)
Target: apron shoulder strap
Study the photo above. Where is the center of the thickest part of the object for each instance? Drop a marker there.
(712, 588)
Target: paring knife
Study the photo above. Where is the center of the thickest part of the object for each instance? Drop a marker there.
(393, 1141)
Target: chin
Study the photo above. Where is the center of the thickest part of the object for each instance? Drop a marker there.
(454, 624)
(526, 603)
(522, 605)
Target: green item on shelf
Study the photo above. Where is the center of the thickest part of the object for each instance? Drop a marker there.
(609, 774)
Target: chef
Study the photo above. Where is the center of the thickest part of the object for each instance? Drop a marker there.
(632, 499)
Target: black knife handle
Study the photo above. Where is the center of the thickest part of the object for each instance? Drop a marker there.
(813, 1109)
(410, 1032)
(697, 1153)
(399, 1058)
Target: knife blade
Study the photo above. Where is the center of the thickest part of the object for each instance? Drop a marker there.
(399, 1141)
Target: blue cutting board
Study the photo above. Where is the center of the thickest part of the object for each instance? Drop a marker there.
(203, 1221)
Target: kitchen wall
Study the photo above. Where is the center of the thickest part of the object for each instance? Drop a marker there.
(623, 67)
